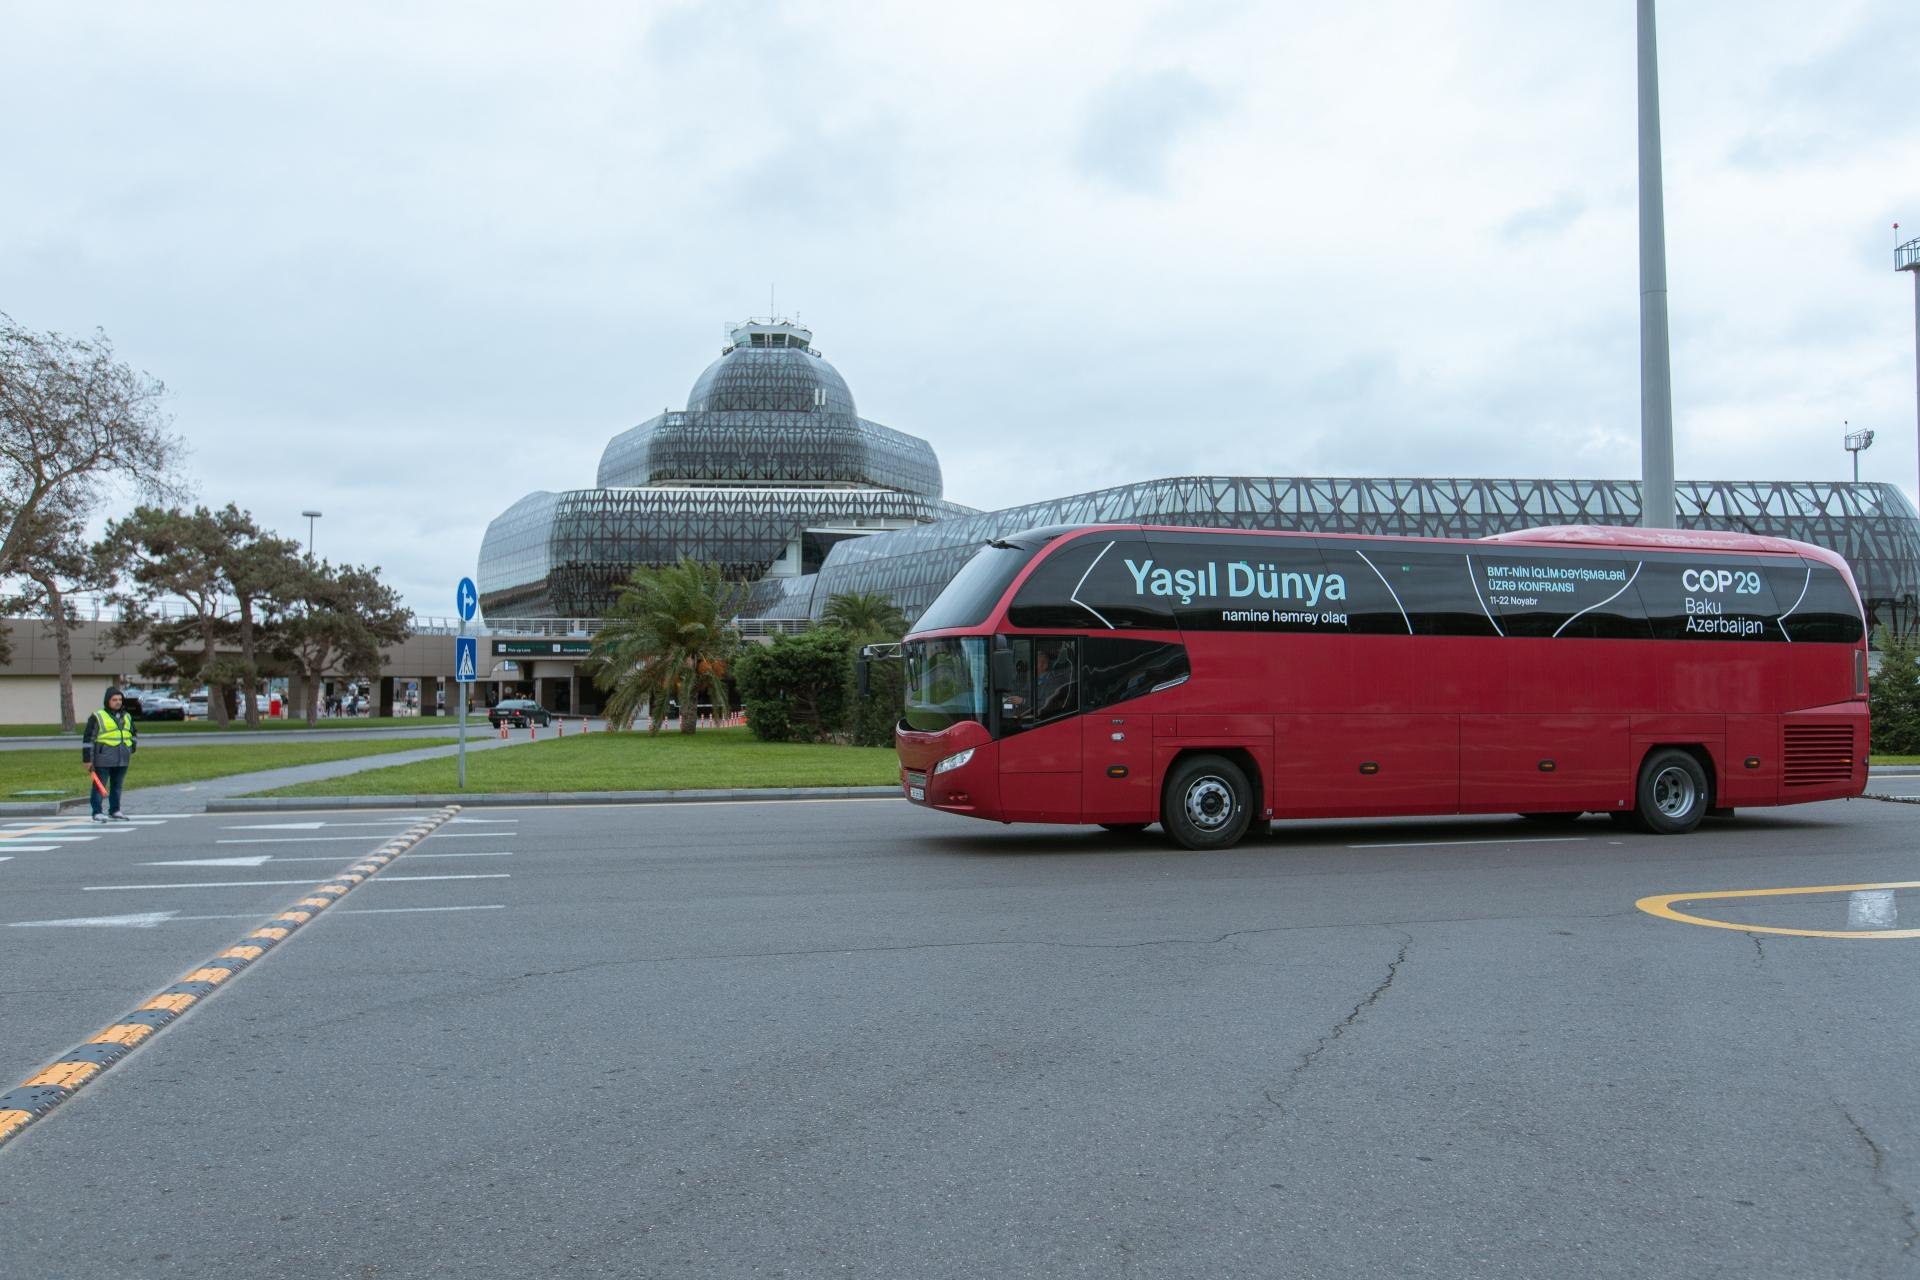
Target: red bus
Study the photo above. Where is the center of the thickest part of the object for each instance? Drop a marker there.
(1212, 681)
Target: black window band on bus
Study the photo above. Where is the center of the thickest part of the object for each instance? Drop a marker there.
(1317, 585)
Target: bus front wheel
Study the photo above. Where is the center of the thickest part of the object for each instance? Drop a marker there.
(1671, 798)
(1206, 803)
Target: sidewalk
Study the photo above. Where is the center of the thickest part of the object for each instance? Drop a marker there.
(192, 797)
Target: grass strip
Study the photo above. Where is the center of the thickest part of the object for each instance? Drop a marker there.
(711, 758)
(240, 726)
(59, 769)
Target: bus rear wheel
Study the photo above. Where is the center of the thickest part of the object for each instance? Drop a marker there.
(1671, 798)
(1206, 803)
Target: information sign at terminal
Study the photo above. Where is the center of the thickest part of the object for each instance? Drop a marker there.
(542, 648)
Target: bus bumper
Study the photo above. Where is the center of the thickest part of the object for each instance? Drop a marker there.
(971, 787)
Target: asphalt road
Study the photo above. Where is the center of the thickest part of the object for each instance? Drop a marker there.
(858, 1039)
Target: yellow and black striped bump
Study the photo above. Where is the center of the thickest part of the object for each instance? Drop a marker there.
(58, 1080)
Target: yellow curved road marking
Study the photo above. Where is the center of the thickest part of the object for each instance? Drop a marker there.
(1662, 905)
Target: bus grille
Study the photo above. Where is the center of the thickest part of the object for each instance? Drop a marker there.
(1819, 753)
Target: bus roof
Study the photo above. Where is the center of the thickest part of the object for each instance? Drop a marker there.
(1602, 535)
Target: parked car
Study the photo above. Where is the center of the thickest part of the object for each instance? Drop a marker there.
(518, 713)
(196, 704)
(158, 704)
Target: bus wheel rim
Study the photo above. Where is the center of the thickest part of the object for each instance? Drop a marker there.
(1674, 792)
(1209, 803)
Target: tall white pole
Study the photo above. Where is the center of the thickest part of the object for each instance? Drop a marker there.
(1656, 375)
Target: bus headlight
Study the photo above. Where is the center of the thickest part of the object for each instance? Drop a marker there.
(954, 761)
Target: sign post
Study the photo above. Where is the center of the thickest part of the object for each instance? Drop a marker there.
(466, 661)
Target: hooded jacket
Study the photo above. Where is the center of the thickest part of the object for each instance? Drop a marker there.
(110, 739)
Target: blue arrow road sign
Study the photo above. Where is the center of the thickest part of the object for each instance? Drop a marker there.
(466, 598)
(466, 658)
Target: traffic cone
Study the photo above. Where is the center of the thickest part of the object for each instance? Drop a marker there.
(503, 731)
(563, 727)
(533, 730)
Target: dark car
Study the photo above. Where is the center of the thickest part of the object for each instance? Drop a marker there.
(518, 713)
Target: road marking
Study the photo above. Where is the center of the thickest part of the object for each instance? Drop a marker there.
(310, 826)
(1431, 844)
(261, 859)
(1662, 905)
(474, 835)
(244, 860)
(248, 884)
(138, 920)
(351, 911)
(8, 858)
(486, 819)
(56, 1082)
(293, 839)
(31, 848)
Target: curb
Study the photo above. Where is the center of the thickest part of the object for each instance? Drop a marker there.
(32, 809)
(528, 799)
(60, 1079)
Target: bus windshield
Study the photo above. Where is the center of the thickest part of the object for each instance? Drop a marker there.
(947, 682)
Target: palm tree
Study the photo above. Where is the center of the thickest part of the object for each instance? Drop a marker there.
(668, 640)
(867, 616)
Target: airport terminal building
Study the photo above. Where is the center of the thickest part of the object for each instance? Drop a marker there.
(770, 472)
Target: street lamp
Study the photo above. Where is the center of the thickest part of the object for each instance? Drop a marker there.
(1906, 257)
(1858, 442)
(311, 517)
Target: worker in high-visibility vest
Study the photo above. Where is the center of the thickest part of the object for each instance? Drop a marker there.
(106, 748)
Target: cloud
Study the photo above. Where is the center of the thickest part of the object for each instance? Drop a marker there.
(1137, 122)
(1545, 219)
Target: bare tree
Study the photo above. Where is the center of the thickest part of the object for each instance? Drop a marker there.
(55, 562)
(73, 417)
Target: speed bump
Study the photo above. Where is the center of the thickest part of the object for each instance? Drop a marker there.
(60, 1079)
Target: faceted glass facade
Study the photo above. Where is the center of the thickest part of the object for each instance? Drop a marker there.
(767, 469)
(1872, 525)
(770, 473)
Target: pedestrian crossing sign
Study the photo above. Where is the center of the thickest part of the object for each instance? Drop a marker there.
(466, 659)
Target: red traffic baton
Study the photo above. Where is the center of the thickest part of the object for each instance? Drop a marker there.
(98, 785)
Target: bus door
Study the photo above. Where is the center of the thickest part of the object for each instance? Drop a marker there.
(1040, 750)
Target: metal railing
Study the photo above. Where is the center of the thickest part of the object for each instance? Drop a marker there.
(1906, 257)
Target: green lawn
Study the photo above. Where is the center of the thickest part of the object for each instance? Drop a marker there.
(1879, 759)
(59, 768)
(240, 726)
(711, 758)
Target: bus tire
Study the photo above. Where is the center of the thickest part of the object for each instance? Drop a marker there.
(1125, 828)
(1206, 803)
(1671, 797)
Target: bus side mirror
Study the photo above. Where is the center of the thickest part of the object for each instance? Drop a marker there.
(1004, 677)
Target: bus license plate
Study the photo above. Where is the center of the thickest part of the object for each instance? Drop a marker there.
(916, 793)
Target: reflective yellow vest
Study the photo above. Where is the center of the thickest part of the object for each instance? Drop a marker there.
(110, 731)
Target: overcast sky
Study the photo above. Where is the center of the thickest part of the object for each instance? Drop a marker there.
(405, 263)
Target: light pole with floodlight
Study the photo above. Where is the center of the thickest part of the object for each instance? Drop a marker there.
(1858, 442)
(311, 517)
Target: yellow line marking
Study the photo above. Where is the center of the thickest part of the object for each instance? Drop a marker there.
(1662, 905)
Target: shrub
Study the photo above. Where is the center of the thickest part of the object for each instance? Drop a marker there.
(1893, 700)
(797, 689)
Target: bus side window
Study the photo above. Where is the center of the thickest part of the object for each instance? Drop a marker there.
(1046, 682)
(1117, 670)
